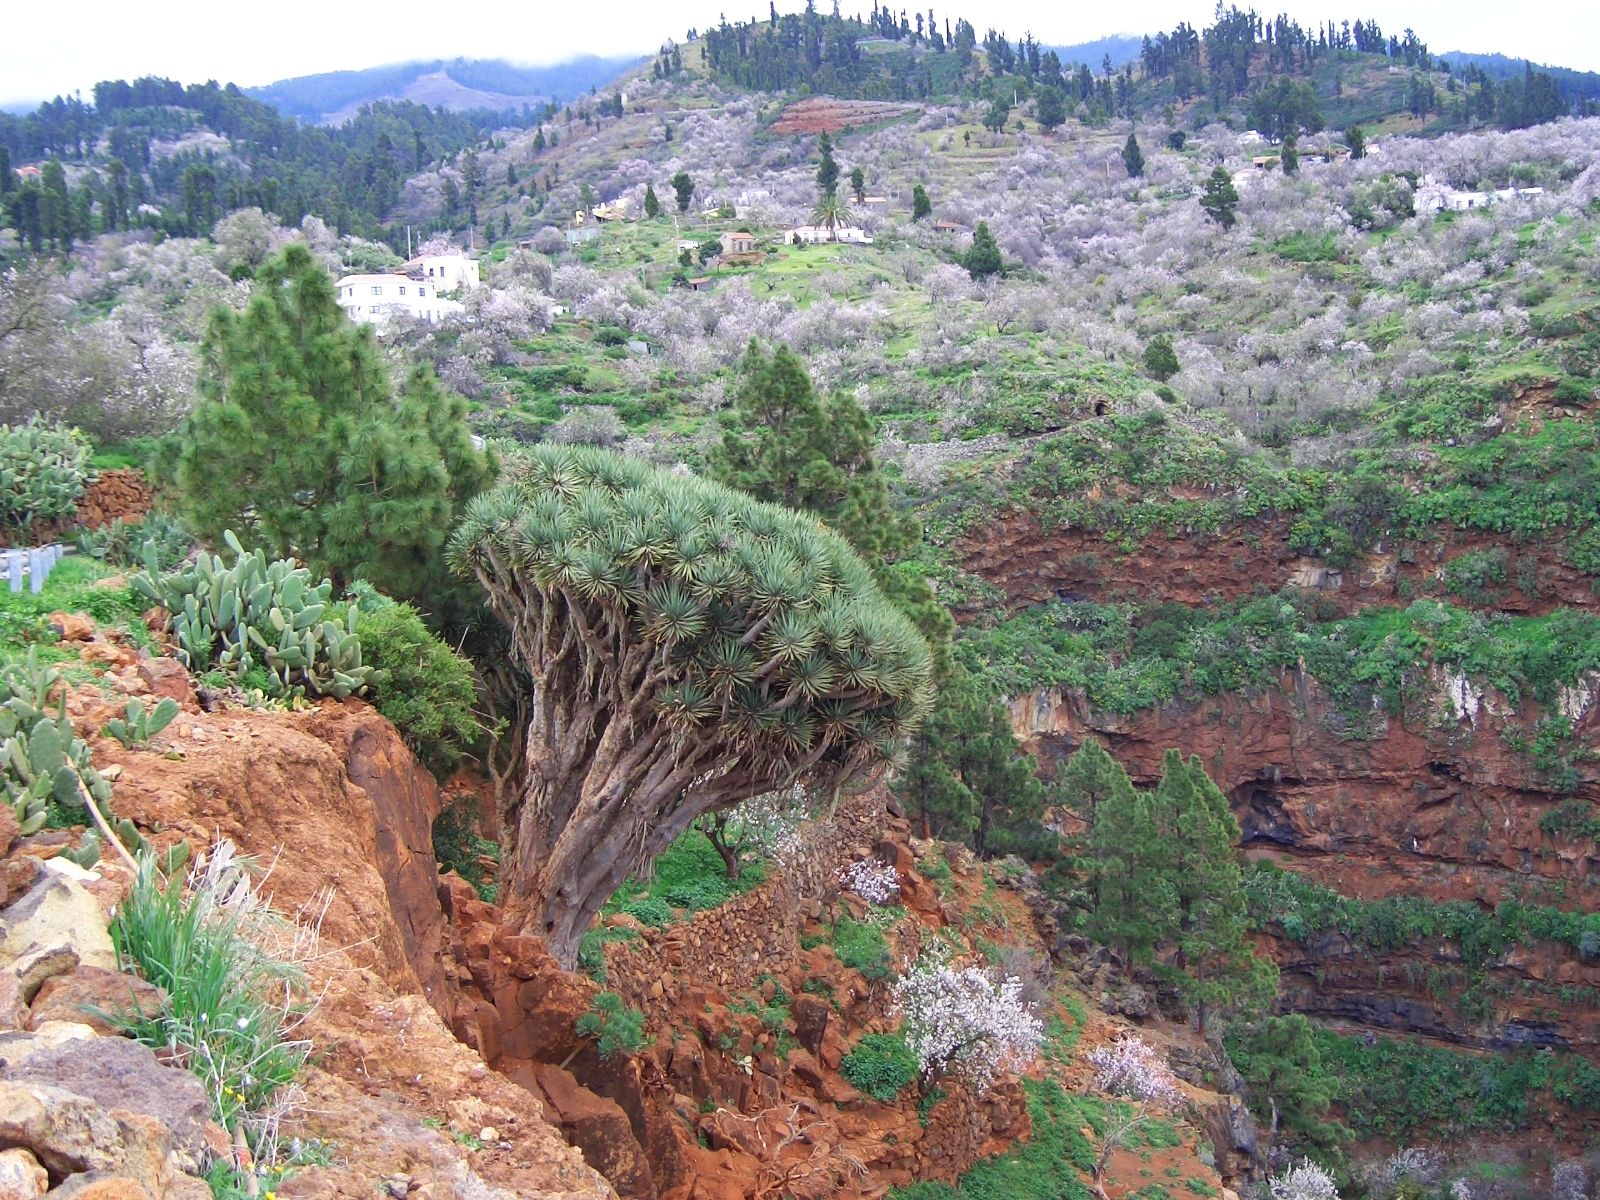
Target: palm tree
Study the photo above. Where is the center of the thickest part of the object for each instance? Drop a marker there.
(831, 213)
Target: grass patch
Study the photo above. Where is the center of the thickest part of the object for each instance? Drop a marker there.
(231, 1011)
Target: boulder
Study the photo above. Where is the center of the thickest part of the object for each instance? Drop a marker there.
(10, 830)
(83, 994)
(599, 1128)
(73, 627)
(56, 911)
(21, 1176)
(124, 1076)
(101, 1185)
(66, 1132)
(18, 1044)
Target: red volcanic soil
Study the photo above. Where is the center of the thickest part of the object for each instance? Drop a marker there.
(824, 114)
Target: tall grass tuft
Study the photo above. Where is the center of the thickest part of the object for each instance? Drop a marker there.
(230, 1013)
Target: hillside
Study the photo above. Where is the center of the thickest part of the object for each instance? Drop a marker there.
(1228, 432)
(458, 85)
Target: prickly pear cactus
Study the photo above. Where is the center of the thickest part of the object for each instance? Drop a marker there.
(259, 613)
(39, 751)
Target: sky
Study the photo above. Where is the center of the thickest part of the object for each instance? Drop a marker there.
(46, 51)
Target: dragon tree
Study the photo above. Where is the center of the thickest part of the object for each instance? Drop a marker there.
(690, 647)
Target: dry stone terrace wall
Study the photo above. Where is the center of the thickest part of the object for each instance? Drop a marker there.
(728, 948)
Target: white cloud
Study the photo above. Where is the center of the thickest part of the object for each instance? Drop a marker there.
(47, 51)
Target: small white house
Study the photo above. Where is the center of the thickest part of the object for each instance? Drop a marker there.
(446, 272)
(1435, 197)
(373, 299)
(814, 235)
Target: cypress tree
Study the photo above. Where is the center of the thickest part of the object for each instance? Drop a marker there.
(300, 445)
(827, 169)
(1133, 157)
(652, 206)
(921, 206)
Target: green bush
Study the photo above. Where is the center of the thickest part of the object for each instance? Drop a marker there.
(862, 946)
(881, 1065)
(418, 683)
(457, 846)
(224, 1008)
(1478, 576)
(43, 470)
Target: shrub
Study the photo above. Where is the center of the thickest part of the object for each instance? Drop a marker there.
(259, 614)
(881, 1065)
(863, 947)
(43, 470)
(964, 1021)
(418, 683)
(616, 1027)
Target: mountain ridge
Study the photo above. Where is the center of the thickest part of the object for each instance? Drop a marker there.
(458, 84)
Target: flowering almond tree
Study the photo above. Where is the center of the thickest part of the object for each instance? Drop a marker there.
(689, 647)
(964, 1022)
(1131, 1071)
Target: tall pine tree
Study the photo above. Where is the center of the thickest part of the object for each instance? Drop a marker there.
(301, 446)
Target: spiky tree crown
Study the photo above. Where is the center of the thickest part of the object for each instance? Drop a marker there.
(763, 628)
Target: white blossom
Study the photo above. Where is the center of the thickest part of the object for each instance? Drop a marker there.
(1303, 1181)
(875, 882)
(963, 1021)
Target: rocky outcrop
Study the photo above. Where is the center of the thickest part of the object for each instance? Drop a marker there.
(724, 1104)
(339, 813)
(1027, 563)
(1447, 807)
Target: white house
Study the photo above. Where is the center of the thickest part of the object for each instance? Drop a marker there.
(1435, 197)
(373, 299)
(813, 235)
(446, 272)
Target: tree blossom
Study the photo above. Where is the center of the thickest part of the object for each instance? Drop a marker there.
(1130, 1069)
(875, 882)
(962, 1021)
(1303, 1181)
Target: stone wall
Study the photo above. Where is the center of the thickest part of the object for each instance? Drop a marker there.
(123, 493)
(728, 948)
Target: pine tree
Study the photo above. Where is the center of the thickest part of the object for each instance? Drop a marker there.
(1052, 108)
(1290, 159)
(1288, 1086)
(1219, 198)
(921, 206)
(983, 256)
(652, 206)
(1133, 157)
(786, 444)
(300, 445)
(1134, 906)
(1160, 359)
(1356, 139)
(1214, 963)
(858, 184)
(1090, 780)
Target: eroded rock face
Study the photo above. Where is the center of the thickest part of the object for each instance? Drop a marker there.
(1030, 564)
(340, 811)
(331, 800)
(1442, 806)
